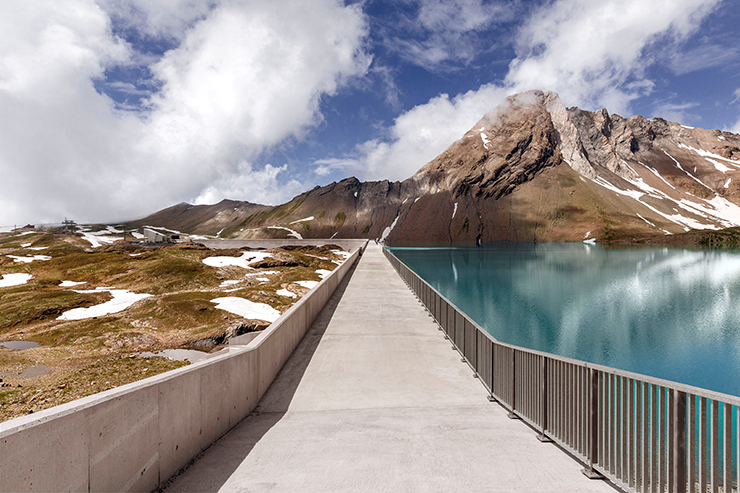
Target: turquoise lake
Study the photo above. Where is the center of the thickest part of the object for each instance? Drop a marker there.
(669, 313)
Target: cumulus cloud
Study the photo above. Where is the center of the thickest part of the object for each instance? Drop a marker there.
(245, 76)
(593, 54)
(423, 132)
(261, 186)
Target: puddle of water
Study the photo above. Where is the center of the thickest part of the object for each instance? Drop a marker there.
(19, 344)
(178, 354)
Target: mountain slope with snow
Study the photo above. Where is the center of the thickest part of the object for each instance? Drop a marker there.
(530, 169)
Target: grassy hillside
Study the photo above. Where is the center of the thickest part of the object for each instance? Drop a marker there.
(76, 358)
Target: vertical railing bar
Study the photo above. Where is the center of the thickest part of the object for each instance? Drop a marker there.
(727, 449)
(594, 416)
(639, 436)
(670, 459)
(612, 424)
(737, 446)
(662, 438)
(631, 410)
(654, 438)
(703, 459)
(679, 441)
(691, 442)
(624, 441)
(714, 484)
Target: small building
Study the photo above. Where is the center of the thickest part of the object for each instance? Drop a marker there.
(155, 236)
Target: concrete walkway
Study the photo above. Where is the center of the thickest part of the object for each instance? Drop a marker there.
(374, 399)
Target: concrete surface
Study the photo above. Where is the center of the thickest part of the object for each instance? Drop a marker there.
(133, 437)
(374, 399)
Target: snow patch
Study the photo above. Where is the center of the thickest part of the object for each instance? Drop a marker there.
(323, 273)
(9, 280)
(590, 241)
(388, 230)
(26, 245)
(122, 299)
(97, 239)
(293, 233)
(355, 194)
(706, 154)
(728, 182)
(309, 218)
(29, 259)
(651, 224)
(243, 261)
(286, 293)
(720, 167)
(69, 284)
(416, 199)
(226, 284)
(308, 284)
(246, 308)
(454, 211)
(485, 140)
(587, 235)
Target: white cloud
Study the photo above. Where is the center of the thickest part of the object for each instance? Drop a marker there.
(445, 32)
(593, 54)
(158, 19)
(261, 186)
(423, 132)
(247, 76)
(701, 57)
(676, 112)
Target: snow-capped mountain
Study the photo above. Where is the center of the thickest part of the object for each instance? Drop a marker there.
(530, 169)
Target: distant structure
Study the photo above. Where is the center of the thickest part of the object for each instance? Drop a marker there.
(156, 236)
(69, 225)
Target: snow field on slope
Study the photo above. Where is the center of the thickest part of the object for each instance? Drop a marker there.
(246, 308)
(9, 280)
(122, 299)
(243, 261)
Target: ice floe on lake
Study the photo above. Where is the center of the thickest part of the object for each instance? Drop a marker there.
(122, 299)
(9, 280)
(246, 308)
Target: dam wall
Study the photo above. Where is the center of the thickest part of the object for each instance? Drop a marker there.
(135, 437)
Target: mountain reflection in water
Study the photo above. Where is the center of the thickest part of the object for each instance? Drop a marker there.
(673, 314)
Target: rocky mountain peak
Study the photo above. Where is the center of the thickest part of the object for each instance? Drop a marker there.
(530, 169)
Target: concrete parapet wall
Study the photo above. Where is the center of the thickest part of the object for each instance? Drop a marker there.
(135, 437)
(349, 245)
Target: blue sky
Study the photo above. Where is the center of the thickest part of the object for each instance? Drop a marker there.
(113, 109)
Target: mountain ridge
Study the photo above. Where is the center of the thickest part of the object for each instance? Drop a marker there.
(529, 170)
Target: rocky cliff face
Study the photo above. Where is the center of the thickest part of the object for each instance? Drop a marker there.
(530, 169)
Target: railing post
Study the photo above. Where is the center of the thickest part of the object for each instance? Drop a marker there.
(542, 437)
(491, 397)
(512, 414)
(679, 441)
(593, 425)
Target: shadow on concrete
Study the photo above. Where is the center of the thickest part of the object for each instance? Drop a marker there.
(227, 453)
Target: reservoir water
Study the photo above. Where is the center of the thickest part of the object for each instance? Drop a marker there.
(668, 313)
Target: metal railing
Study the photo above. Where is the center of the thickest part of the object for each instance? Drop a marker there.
(644, 434)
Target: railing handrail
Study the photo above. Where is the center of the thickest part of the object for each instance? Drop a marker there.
(644, 433)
